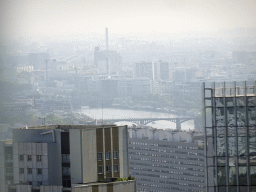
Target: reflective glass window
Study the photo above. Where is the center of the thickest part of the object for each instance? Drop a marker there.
(241, 131)
(242, 160)
(240, 101)
(242, 188)
(219, 102)
(233, 189)
(251, 101)
(221, 176)
(252, 146)
(222, 189)
(221, 161)
(251, 116)
(232, 176)
(240, 115)
(232, 149)
(231, 116)
(230, 101)
(242, 146)
(232, 161)
(231, 131)
(252, 160)
(242, 175)
(220, 119)
(253, 175)
(221, 131)
(252, 130)
(221, 146)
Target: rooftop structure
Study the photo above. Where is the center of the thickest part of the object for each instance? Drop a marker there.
(70, 157)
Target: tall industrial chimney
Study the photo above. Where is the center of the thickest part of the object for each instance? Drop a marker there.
(106, 38)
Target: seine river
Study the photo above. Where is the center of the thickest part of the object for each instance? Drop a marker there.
(113, 113)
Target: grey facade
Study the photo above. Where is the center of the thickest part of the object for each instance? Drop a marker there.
(230, 134)
(56, 157)
(6, 165)
(163, 160)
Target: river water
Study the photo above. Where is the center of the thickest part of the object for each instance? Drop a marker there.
(113, 113)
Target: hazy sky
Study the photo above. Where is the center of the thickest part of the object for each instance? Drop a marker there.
(58, 17)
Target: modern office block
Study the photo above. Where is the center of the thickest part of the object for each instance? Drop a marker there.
(166, 160)
(70, 157)
(230, 135)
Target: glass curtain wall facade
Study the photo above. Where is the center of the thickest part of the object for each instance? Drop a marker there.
(230, 135)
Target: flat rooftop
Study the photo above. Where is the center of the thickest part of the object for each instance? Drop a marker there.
(67, 127)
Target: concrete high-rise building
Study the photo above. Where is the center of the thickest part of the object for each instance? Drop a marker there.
(144, 69)
(161, 70)
(166, 160)
(6, 165)
(230, 136)
(77, 158)
(107, 62)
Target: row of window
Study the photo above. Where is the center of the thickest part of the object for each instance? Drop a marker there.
(170, 167)
(167, 151)
(158, 155)
(108, 155)
(175, 173)
(162, 145)
(39, 171)
(172, 187)
(37, 183)
(165, 167)
(29, 157)
(164, 160)
(108, 168)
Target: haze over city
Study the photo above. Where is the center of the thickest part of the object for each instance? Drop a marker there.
(125, 95)
(37, 19)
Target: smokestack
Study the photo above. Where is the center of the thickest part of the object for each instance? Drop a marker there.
(106, 38)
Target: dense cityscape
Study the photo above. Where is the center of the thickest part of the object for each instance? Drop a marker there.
(107, 111)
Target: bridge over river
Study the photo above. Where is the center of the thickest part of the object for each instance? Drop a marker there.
(145, 121)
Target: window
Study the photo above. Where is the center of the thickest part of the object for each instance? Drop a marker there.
(39, 183)
(21, 170)
(38, 158)
(39, 171)
(65, 158)
(115, 154)
(100, 169)
(108, 168)
(30, 183)
(116, 168)
(100, 156)
(21, 157)
(29, 170)
(66, 171)
(29, 157)
(108, 155)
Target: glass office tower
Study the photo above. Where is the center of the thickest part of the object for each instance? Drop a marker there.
(230, 135)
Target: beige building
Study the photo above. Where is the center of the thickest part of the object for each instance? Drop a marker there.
(70, 158)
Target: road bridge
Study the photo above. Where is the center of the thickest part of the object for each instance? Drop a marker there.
(144, 121)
